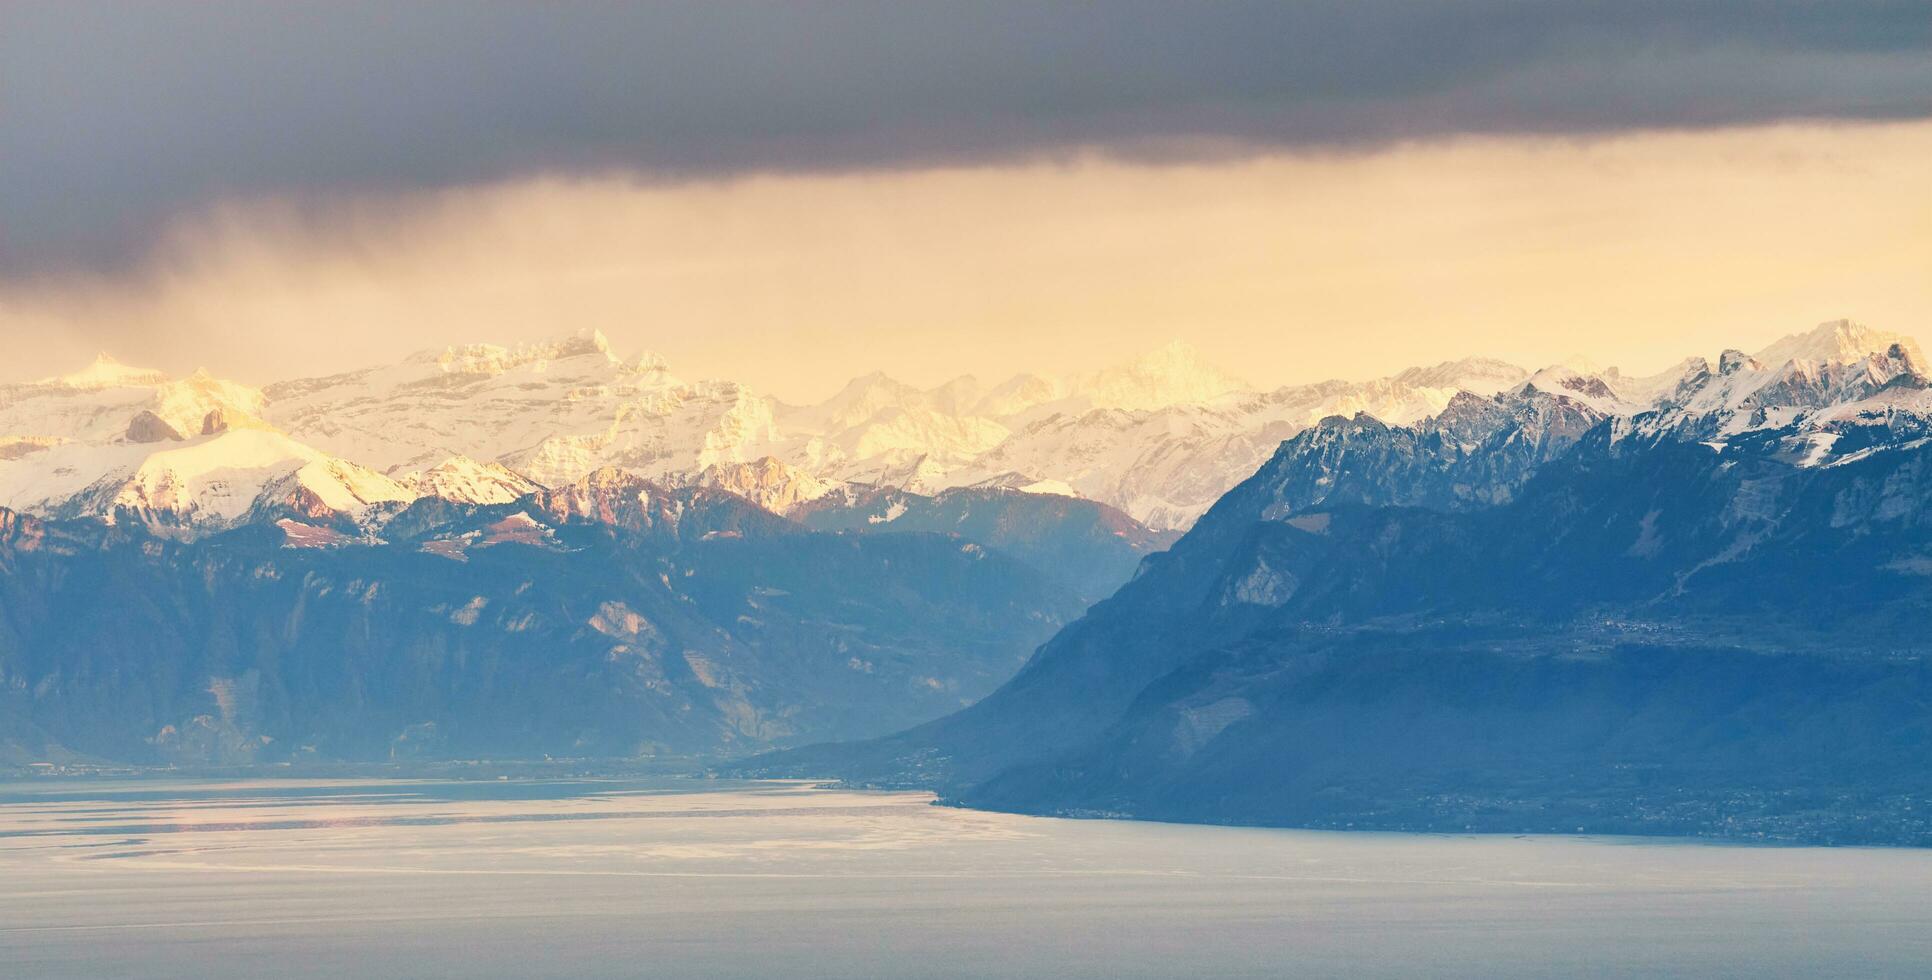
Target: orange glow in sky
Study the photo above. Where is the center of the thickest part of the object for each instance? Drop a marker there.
(1633, 250)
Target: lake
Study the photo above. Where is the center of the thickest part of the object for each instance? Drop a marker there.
(566, 878)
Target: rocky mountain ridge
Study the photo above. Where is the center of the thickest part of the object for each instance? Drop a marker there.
(1534, 612)
(1159, 436)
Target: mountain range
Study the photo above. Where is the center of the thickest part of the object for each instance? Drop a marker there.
(1690, 603)
(608, 618)
(1159, 438)
(1461, 597)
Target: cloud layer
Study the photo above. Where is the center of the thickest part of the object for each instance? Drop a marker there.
(1635, 249)
(117, 117)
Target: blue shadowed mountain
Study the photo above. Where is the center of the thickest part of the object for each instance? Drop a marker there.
(1689, 603)
(1086, 546)
(610, 618)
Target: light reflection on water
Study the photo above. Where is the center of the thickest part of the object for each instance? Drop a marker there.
(535, 877)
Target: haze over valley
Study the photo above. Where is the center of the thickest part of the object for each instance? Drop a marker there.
(850, 488)
(554, 551)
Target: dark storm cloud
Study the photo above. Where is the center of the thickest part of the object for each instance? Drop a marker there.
(115, 115)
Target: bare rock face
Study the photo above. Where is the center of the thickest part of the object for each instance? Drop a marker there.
(767, 482)
(215, 422)
(19, 447)
(149, 427)
(18, 530)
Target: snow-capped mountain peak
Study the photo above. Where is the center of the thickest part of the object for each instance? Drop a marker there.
(960, 396)
(552, 411)
(1173, 374)
(864, 397)
(1583, 364)
(1480, 375)
(213, 480)
(1589, 390)
(108, 401)
(492, 359)
(767, 482)
(463, 480)
(106, 372)
(1839, 342)
(1654, 389)
(1160, 437)
(1018, 394)
(202, 404)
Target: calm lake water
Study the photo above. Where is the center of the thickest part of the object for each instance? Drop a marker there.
(547, 878)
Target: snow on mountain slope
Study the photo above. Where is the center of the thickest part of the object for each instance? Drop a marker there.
(1161, 436)
(1651, 390)
(1836, 366)
(862, 399)
(1172, 375)
(1161, 467)
(463, 480)
(1838, 342)
(553, 412)
(1850, 402)
(1018, 395)
(41, 482)
(1025, 484)
(108, 400)
(767, 482)
(877, 429)
(105, 372)
(214, 480)
(1590, 390)
(1167, 466)
(130, 444)
(1478, 375)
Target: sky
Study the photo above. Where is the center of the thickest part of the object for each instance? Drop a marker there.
(791, 194)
